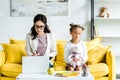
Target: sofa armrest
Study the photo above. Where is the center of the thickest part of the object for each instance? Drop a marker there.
(0, 76)
(110, 60)
(2, 57)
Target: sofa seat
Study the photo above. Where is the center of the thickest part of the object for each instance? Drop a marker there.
(60, 64)
(99, 70)
(102, 78)
(7, 78)
(11, 69)
(59, 68)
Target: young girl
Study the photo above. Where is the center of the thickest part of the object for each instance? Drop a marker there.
(75, 32)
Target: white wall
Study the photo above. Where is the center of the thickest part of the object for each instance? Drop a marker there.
(17, 27)
(109, 29)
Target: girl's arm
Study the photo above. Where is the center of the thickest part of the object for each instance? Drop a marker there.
(85, 56)
(66, 54)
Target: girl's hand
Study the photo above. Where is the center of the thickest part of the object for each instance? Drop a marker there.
(75, 59)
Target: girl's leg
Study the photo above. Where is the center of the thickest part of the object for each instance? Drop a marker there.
(85, 70)
(78, 68)
(85, 65)
(70, 68)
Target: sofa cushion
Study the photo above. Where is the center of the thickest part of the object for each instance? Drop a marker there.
(11, 70)
(7, 78)
(60, 53)
(14, 52)
(2, 57)
(60, 46)
(59, 68)
(96, 42)
(97, 55)
(99, 70)
(14, 41)
(103, 78)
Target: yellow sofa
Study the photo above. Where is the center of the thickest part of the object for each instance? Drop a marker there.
(102, 69)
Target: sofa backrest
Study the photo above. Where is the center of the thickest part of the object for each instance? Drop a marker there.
(16, 49)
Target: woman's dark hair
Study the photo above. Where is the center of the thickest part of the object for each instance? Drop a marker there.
(39, 17)
(73, 26)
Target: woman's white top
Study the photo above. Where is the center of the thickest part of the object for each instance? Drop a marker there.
(31, 45)
(68, 47)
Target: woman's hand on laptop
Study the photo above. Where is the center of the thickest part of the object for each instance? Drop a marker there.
(34, 54)
(37, 54)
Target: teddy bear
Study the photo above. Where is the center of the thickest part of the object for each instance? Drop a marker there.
(104, 12)
(75, 53)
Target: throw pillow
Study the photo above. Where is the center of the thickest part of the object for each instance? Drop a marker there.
(60, 52)
(96, 42)
(2, 57)
(60, 46)
(97, 55)
(14, 52)
(14, 41)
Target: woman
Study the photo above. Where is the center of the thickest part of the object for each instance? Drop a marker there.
(39, 41)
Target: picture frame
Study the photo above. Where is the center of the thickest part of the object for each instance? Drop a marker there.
(33, 7)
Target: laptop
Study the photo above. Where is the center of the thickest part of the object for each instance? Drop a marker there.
(35, 64)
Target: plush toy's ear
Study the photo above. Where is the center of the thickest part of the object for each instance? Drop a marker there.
(102, 9)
